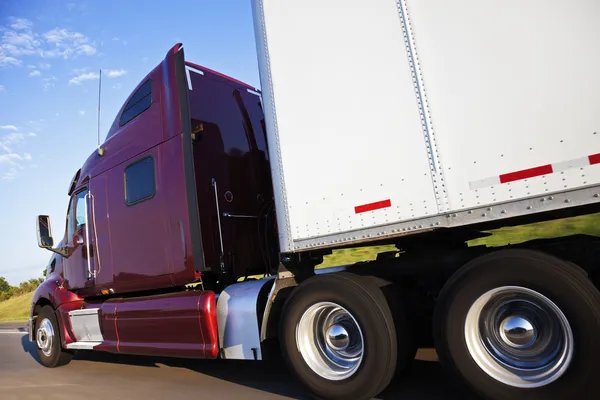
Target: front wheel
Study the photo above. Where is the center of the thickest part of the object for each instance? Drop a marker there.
(47, 340)
(521, 324)
(338, 337)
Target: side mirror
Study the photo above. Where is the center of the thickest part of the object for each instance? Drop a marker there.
(44, 232)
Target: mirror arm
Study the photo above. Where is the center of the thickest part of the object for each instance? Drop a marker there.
(63, 251)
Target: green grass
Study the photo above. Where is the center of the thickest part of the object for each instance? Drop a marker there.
(16, 309)
(587, 224)
(351, 256)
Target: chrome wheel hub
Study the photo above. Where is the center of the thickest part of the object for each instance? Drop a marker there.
(337, 337)
(519, 337)
(330, 340)
(517, 332)
(45, 337)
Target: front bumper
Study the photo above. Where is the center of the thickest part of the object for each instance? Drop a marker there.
(31, 324)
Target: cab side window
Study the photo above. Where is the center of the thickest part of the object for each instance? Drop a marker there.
(140, 181)
(80, 209)
(139, 102)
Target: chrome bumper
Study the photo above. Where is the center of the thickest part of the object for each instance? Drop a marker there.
(30, 326)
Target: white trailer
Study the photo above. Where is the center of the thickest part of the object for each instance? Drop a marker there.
(409, 122)
(389, 117)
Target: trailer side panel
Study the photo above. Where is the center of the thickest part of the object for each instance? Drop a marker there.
(513, 91)
(346, 140)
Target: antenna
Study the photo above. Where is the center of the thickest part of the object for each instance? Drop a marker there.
(100, 151)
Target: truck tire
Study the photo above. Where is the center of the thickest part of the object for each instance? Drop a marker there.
(341, 317)
(406, 333)
(520, 324)
(47, 340)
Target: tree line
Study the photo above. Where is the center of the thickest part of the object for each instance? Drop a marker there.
(7, 291)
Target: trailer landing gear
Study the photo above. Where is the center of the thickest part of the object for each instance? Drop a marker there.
(520, 323)
(341, 343)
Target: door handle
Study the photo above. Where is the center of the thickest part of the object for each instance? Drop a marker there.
(87, 251)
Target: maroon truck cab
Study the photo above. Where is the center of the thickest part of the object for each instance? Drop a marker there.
(179, 193)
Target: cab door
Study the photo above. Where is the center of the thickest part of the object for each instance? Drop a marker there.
(79, 266)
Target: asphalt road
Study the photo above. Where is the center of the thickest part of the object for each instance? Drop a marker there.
(105, 376)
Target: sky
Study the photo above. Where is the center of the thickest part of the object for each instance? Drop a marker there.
(51, 53)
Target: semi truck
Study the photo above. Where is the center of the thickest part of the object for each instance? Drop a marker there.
(198, 227)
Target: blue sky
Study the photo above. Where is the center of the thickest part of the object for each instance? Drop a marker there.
(50, 56)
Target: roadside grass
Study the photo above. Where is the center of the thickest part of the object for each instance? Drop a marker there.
(586, 224)
(16, 309)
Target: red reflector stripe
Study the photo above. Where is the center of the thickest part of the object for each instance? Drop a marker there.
(373, 206)
(584, 161)
(526, 173)
(594, 159)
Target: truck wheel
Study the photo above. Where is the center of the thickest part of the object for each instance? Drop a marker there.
(338, 337)
(521, 324)
(47, 339)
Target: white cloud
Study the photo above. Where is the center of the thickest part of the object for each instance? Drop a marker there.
(114, 73)
(81, 112)
(67, 44)
(63, 36)
(84, 77)
(1, 88)
(21, 24)
(8, 61)
(35, 73)
(20, 39)
(44, 65)
(8, 128)
(19, 43)
(10, 159)
(11, 138)
(87, 50)
(7, 141)
(31, 66)
(117, 86)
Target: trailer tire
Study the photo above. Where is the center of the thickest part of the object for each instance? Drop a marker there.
(485, 339)
(48, 340)
(367, 309)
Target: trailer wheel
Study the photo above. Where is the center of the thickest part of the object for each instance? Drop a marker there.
(47, 340)
(337, 335)
(521, 324)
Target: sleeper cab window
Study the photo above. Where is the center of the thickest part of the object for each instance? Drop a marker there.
(140, 181)
(139, 102)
